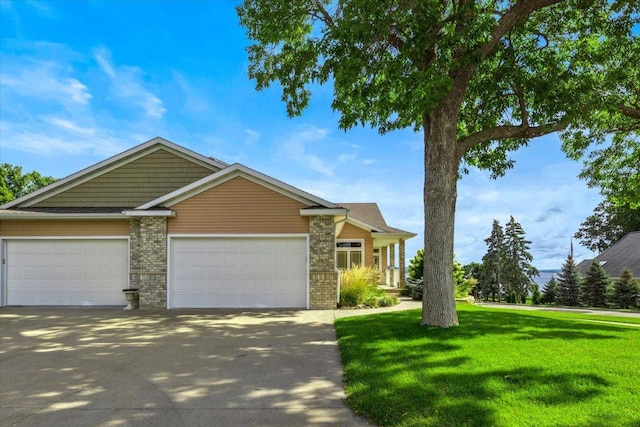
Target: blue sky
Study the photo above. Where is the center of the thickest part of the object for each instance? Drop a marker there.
(81, 81)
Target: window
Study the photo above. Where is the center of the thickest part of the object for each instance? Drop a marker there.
(349, 253)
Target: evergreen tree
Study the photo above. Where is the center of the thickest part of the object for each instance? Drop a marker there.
(625, 290)
(536, 297)
(492, 263)
(517, 270)
(569, 283)
(594, 286)
(550, 292)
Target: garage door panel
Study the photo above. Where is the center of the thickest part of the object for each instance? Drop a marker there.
(66, 272)
(238, 272)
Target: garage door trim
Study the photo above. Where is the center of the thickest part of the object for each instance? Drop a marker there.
(170, 238)
(4, 286)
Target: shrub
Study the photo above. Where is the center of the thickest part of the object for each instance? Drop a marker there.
(536, 296)
(359, 287)
(414, 288)
(387, 301)
(359, 276)
(512, 298)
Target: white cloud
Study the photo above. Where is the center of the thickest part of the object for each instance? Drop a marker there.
(49, 107)
(126, 83)
(70, 126)
(550, 214)
(489, 196)
(193, 101)
(58, 136)
(252, 136)
(43, 80)
(346, 157)
(295, 148)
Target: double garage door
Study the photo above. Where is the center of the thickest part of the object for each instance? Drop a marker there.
(66, 271)
(238, 272)
(260, 272)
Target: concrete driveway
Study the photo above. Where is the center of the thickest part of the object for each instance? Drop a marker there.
(107, 367)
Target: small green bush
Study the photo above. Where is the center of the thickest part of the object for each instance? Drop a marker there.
(512, 298)
(388, 301)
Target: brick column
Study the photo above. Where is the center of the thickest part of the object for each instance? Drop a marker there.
(401, 262)
(148, 260)
(134, 253)
(323, 278)
(392, 265)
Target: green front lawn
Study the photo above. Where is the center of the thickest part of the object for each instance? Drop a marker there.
(499, 368)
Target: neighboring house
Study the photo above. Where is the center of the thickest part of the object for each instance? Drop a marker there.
(187, 231)
(625, 253)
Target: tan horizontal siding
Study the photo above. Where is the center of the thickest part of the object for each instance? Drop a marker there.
(133, 184)
(350, 231)
(64, 227)
(238, 206)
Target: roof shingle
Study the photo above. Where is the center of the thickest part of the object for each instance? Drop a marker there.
(625, 253)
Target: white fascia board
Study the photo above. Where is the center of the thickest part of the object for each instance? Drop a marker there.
(228, 173)
(382, 240)
(47, 215)
(136, 212)
(323, 211)
(110, 164)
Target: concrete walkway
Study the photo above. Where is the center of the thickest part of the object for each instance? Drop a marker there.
(107, 367)
(580, 310)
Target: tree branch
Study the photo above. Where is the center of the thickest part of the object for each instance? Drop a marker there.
(326, 17)
(507, 132)
(633, 113)
(512, 17)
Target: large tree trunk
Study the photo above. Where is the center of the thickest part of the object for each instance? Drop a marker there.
(440, 191)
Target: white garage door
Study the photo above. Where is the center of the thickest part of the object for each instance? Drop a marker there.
(67, 272)
(238, 272)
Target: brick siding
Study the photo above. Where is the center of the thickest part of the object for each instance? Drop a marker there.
(323, 277)
(148, 260)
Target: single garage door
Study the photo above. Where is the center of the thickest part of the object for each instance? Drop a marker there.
(67, 271)
(238, 272)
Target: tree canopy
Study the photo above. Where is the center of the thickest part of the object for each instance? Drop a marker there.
(14, 183)
(608, 224)
(477, 78)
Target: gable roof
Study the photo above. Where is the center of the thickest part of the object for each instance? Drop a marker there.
(110, 164)
(368, 215)
(625, 253)
(231, 172)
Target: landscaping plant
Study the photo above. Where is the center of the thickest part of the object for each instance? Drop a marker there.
(359, 288)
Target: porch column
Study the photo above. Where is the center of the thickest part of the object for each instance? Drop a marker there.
(402, 266)
(392, 265)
